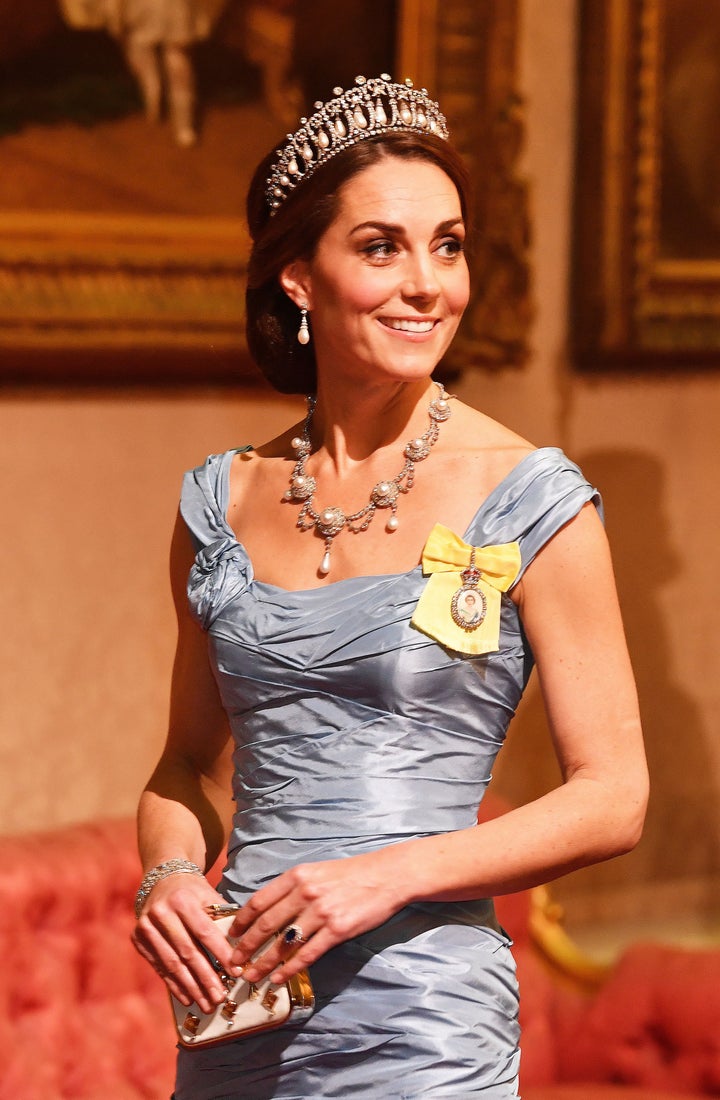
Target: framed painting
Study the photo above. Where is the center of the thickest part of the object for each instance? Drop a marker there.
(123, 248)
(646, 264)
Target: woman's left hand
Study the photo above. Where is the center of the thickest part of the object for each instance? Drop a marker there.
(325, 903)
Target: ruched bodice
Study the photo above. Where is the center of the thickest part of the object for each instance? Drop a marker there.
(353, 729)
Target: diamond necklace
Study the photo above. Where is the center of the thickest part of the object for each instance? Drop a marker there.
(385, 494)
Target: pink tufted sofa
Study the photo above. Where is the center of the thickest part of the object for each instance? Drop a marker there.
(650, 1031)
(86, 1019)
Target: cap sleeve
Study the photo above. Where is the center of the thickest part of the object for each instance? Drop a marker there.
(544, 492)
(221, 571)
(204, 498)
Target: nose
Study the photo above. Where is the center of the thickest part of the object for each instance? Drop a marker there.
(421, 280)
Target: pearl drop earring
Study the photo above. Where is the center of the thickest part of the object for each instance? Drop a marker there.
(303, 332)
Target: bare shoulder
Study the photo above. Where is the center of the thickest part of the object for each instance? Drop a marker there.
(251, 470)
(486, 431)
(277, 447)
(490, 445)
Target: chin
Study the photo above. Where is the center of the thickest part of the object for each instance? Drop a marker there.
(411, 370)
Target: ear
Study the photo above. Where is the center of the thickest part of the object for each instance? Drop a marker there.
(296, 282)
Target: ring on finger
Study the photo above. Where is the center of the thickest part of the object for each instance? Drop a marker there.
(292, 936)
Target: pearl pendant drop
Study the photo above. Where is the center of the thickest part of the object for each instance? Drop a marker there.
(331, 521)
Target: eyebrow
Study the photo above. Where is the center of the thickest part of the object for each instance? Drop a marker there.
(396, 230)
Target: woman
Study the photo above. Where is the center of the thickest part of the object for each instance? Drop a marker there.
(365, 707)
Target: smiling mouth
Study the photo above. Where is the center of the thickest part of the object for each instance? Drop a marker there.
(400, 324)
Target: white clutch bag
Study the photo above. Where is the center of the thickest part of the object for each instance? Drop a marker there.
(248, 1007)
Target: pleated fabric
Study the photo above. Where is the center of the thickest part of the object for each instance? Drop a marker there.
(354, 730)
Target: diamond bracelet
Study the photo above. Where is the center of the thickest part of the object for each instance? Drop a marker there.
(163, 870)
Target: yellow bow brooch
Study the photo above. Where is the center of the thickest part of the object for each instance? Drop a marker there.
(460, 606)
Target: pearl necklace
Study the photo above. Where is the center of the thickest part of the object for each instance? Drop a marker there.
(385, 494)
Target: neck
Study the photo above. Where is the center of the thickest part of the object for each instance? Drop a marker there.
(400, 405)
(350, 424)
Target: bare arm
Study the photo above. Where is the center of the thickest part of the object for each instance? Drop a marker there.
(184, 810)
(571, 616)
(570, 612)
(186, 807)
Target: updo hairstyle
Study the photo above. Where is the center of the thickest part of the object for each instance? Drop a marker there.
(293, 233)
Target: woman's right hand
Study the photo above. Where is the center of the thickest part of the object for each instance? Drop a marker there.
(170, 934)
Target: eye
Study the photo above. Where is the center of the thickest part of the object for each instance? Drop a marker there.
(380, 250)
(450, 248)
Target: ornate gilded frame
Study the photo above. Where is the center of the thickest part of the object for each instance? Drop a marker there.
(636, 300)
(81, 294)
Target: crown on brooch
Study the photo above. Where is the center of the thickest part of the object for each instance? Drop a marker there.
(372, 106)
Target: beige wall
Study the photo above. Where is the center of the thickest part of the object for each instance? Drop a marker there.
(651, 442)
(89, 485)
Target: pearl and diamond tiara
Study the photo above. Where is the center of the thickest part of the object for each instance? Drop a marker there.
(372, 106)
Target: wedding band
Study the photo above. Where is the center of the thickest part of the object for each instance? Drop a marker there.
(293, 935)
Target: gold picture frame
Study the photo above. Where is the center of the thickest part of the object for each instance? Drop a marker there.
(81, 294)
(646, 255)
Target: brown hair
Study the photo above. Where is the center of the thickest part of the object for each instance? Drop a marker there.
(293, 233)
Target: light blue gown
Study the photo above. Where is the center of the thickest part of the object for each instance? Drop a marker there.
(353, 730)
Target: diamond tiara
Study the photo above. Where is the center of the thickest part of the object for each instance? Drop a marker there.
(372, 106)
